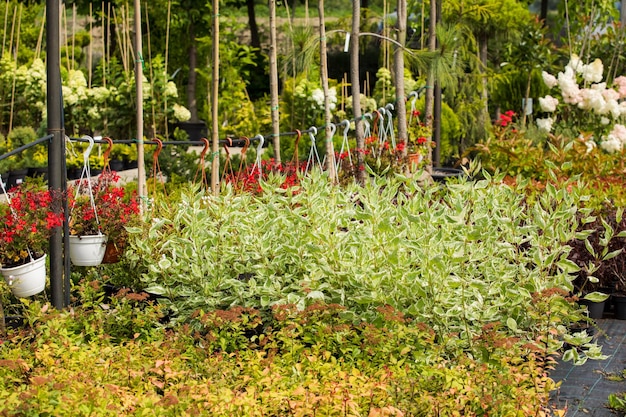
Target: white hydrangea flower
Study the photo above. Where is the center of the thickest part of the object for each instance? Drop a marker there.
(569, 86)
(181, 113)
(69, 97)
(93, 112)
(548, 103)
(317, 97)
(613, 107)
(604, 121)
(620, 84)
(545, 125)
(592, 100)
(593, 72)
(549, 79)
(611, 144)
(76, 79)
(575, 64)
(609, 94)
(591, 145)
(619, 131)
(170, 90)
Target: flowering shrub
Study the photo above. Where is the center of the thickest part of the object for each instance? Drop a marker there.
(285, 174)
(584, 107)
(114, 208)
(420, 136)
(26, 224)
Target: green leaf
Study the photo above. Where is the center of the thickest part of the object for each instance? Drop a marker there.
(612, 254)
(315, 295)
(511, 324)
(596, 297)
(155, 289)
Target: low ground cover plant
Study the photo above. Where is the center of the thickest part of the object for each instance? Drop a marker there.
(304, 362)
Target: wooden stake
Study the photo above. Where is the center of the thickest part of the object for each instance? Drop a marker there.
(6, 20)
(15, 55)
(215, 165)
(40, 38)
(330, 151)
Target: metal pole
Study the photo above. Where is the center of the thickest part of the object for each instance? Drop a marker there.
(141, 168)
(56, 149)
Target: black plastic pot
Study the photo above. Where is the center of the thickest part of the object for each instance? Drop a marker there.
(442, 174)
(619, 306)
(130, 165)
(596, 310)
(195, 130)
(16, 177)
(38, 172)
(74, 173)
(116, 165)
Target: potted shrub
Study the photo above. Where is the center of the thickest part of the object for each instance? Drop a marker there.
(99, 215)
(419, 143)
(26, 223)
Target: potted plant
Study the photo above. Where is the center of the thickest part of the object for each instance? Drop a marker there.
(26, 223)
(99, 215)
(420, 143)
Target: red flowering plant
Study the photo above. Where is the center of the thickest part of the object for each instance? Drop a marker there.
(420, 141)
(108, 209)
(26, 223)
(247, 178)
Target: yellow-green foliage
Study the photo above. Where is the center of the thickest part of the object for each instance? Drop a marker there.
(242, 362)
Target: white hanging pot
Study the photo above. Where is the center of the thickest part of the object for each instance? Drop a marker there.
(28, 279)
(87, 250)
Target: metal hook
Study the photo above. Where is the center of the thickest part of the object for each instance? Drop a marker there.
(230, 143)
(390, 107)
(158, 149)
(245, 146)
(259, 147)
(204, 150)
(333, 129)
(89, 148)
(107, 152)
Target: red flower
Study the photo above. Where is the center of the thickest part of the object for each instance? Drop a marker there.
(26, 224)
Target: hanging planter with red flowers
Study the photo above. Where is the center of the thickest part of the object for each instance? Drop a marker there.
(99, 212)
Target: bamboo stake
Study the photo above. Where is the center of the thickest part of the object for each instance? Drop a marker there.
(40, 38)
(215, 165)
(6, 21)
(274, 82)
(152, 107)
(121, 41)
(65, 41)
(141, 174)
(167, 57)
(73, 33)
(330, 151)
(400, 104)
(13, 23)
(15, 55)
(105, 49)
(90, 46)
(356, 93)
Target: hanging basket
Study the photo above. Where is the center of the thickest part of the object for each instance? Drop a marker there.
(28, 279)
(87, 250)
